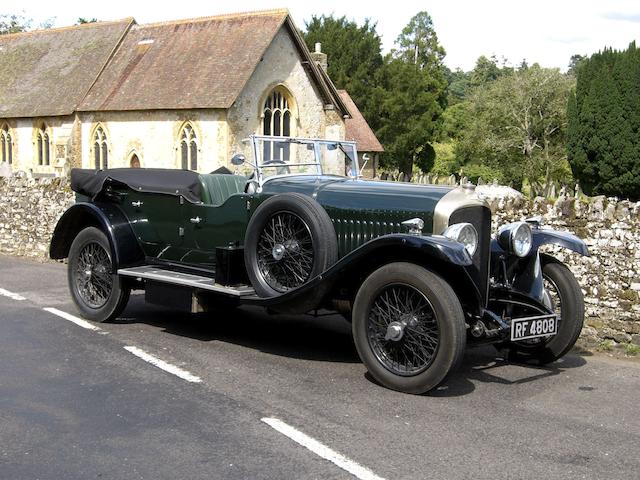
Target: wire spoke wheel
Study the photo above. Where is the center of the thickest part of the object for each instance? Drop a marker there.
(93, 276)
(402, 329)
(561, 295)
(285, 254)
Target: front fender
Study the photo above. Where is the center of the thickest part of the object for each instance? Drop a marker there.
(524, 275)
(125, 250)
(563, 239)
(446, 257)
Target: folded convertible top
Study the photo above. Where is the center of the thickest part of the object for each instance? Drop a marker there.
(154, 180)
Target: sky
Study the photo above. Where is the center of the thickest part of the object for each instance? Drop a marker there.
(543, 31)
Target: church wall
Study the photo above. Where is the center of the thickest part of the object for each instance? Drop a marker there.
(281, 65)
(25, 144)
(154, 136)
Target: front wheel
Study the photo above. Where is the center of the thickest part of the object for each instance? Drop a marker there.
(408, 327)
(564, 296)
(98, 291)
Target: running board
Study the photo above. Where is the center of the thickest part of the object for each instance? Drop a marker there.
(150, 272)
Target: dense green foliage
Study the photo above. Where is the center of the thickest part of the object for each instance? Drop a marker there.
(354, 57)
(402, 95)
(413, 82)
(604, 123)
(495, 121)
(516, 125)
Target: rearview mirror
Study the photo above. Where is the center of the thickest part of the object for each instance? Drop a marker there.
(238, 159)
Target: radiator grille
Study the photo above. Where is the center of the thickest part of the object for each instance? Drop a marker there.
(353, 233)
(480, 218)
(356, 227)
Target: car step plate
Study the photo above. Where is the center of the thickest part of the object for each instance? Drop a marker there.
(150, 272)
(533, 327)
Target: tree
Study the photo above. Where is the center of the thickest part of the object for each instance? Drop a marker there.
(486, 71)
(418, 43)
(412, 96)
(574, 61)
(354, 58)
(458, 85)
(82, 20)
(11, 23)
(410, 110)
(517, 125)
(604, 121)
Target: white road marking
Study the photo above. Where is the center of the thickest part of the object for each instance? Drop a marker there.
(167, 367)
(78, 321)
(321, 450)
(11, 295)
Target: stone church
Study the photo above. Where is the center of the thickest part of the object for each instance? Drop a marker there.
(179, 94)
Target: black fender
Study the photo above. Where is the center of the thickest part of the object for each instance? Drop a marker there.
(524, 275)
(563, 239)
(125, 250)
(445, 257)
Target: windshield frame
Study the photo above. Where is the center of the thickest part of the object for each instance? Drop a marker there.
(344, 145)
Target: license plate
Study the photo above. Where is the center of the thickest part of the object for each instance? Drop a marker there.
(533, 327)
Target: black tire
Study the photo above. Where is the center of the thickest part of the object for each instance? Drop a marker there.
(308, 245)
(571, 310)
(98, 292)
(444, 321)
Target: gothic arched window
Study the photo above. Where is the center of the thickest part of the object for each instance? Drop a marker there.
(134, 161)
(100, 149)
(276, 121)
(6, 145)
(188, 148)
(44, 146)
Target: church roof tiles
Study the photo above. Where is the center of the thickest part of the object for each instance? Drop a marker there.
(116, 66)
(48, 72)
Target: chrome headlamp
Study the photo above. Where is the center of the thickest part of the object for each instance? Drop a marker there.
(466, 234)
(516, 238)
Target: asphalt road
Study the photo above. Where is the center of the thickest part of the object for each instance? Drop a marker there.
(74, 403)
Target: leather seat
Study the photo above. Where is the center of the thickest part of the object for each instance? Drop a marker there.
(217, 188)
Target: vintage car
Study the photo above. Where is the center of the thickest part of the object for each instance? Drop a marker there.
(414, 268)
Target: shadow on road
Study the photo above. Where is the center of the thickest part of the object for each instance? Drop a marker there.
(485, 365)
(328, 338)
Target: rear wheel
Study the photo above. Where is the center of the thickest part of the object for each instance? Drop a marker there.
(98, 292)
(563, 295)
(408, 327)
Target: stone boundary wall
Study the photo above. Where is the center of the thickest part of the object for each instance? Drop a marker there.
(29, 211)
(610, 278)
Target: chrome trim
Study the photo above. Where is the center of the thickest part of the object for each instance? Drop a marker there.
(453, 232)
(464, 196)
(415, 225)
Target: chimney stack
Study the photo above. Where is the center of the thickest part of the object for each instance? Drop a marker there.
(319, 57)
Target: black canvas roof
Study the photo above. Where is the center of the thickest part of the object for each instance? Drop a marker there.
(155, 180)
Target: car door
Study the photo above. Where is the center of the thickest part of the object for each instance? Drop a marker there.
(209, 226)
(157, 220)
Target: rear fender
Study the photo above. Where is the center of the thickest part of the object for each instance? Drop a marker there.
(125, 250)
